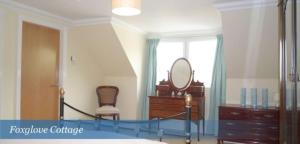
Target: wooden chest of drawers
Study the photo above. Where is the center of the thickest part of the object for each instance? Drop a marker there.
(248, 125)
(166, 106)
(162, 107)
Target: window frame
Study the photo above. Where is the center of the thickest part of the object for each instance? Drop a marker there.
(186, 43)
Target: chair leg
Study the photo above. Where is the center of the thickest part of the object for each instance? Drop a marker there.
(118, 116)
(116, 121)
(198, 130)
(98, 122)
(203, 126)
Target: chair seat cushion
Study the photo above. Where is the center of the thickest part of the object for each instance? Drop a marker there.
(107, 110)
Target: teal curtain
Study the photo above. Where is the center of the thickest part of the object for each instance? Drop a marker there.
(218, 88)
(150, 79)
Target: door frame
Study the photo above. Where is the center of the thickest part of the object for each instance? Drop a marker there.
(62, 54)
(1, 57)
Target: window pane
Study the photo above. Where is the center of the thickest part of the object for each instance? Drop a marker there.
(167, 53)
(201, 56)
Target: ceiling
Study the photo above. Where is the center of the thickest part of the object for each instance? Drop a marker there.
(158, 16)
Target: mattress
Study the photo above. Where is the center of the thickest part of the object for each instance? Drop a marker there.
(82, 141)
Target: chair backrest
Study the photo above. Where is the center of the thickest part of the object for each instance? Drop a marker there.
(107, 95)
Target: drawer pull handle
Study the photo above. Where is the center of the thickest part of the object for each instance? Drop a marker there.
(235, 113)
(256, 134)
(229, 134)
(274, 128)
(268, 116)
(257, 117)
(229, 123)
(257, 128)
(259, 123)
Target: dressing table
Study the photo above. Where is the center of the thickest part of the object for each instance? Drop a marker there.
(170, 100)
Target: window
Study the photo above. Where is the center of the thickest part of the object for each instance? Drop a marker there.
(167, 53)
(200, 53)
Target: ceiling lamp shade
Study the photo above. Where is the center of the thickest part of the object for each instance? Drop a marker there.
(126, 7)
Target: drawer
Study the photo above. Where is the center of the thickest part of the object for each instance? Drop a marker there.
(255, 126)
(164, 114)
(233, 125)
(171, 107)
(167, 101)
(246, 137)
(263, 137)
(264, 116)
(231, 135)
(229, 113)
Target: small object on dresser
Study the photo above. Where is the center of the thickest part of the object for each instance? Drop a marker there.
(264, 93)
(243, 97)
(254, 97)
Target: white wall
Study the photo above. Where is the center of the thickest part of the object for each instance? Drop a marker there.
(1, 60)
(127, 101)
(9, 59)
(133, 43)
(251, 51)
(98, 54)
(234, 86)
(83, 76)
(101, 59)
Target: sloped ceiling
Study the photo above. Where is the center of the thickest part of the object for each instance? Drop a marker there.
(102, 44)
(157, 15)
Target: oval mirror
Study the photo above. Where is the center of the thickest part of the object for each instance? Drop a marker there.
(181, 74)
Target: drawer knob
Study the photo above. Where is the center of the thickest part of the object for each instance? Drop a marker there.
(274, 128)
(257, 128)
(268, 116)
(230, 123)
(272, 138)
(235, 113)
(259, 124)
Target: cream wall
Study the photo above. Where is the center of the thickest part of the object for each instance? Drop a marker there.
(127, 101)
(1, 59)
(99, 59)
(133, 43)
(102, 59)
(9, 59)
(234, 85)
(251, 52)
(83, 76)
(9, 65)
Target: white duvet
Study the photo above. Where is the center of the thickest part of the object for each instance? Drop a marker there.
(81, 141)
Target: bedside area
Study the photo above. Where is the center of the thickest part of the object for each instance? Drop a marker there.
(248, 124)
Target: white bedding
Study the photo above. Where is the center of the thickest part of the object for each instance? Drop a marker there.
(82, 141)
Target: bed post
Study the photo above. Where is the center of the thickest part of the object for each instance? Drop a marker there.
(62, 100)
(188, 108)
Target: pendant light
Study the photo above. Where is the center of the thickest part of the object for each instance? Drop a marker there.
(126, 7)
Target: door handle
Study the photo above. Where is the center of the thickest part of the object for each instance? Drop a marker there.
(54, 85)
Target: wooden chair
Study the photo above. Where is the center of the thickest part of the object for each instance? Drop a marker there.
(107, 98)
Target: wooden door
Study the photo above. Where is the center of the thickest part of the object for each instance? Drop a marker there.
(40, 73)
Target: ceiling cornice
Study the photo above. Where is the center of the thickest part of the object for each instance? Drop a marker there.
(186, 34)
(93, 21)
(106, 20)
(245, 4)
(69, 22)
(116, 21)
(18, 6)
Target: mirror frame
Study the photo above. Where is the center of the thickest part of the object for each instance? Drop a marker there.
(190, 77)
